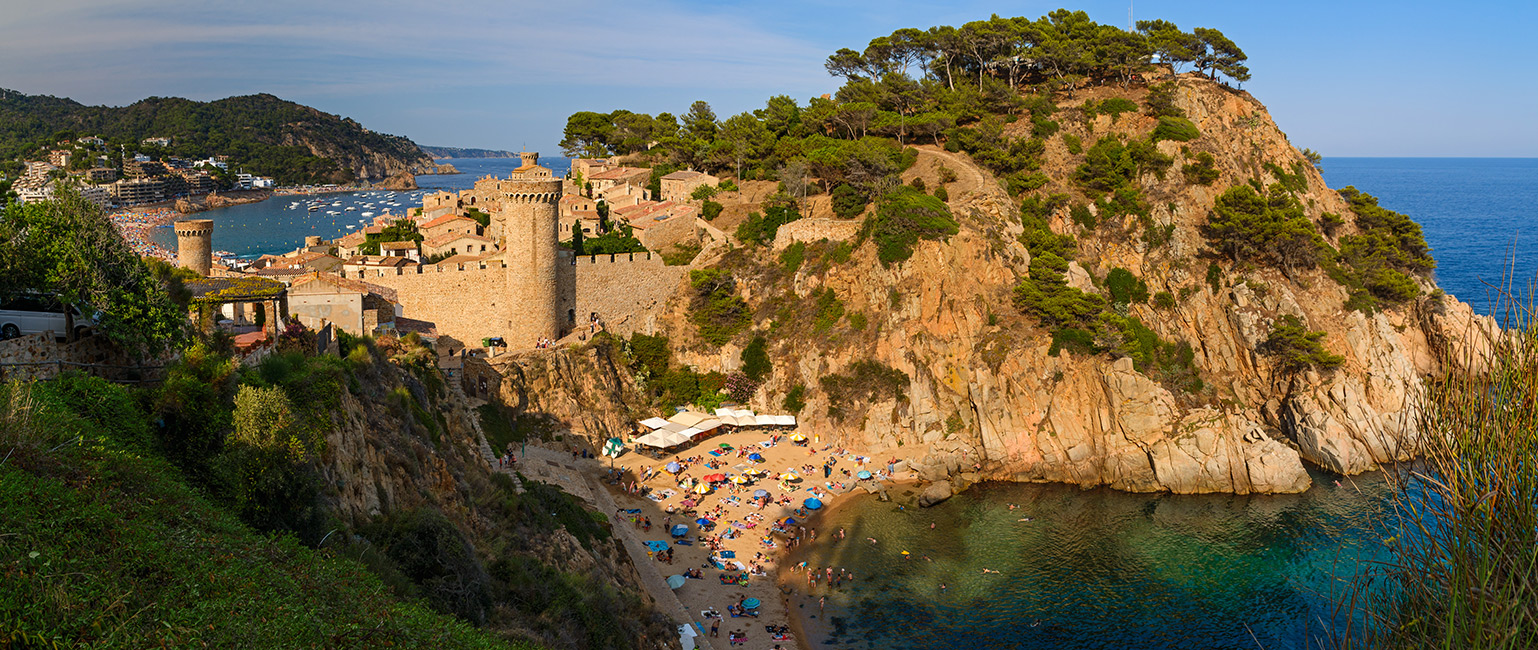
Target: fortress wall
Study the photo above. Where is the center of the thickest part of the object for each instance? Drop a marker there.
(811, 230)
(467, 305)
(628, 291)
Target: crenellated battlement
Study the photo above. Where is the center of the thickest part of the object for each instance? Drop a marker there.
(640, 259)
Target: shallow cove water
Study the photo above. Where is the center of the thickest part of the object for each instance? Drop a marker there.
(1091, 569)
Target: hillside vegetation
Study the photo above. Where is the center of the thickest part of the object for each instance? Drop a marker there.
(263, 134)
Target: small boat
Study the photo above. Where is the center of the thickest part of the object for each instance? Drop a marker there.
(368, 214)
(351, 208)
(351, 227)
(314, 208)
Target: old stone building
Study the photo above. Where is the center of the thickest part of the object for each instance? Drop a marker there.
(678, 186)
(528, 290)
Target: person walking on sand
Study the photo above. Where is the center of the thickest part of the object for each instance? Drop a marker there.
(715, 628)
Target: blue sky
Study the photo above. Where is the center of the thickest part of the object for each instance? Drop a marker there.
(1344, 78)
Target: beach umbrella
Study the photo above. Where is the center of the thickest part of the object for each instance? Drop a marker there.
(725, 446)
(788, 476)
(740, 480)
(715, 478)
(798, 438)
(756, 458)
(674, 467)
(788, 521)
(703, 488)
(760, 493)
(863, 474)
(679, 530)
(751, 603)
(812, 504)
(704, 522)
(675, 581)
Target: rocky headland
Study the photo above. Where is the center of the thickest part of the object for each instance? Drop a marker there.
(985, 393)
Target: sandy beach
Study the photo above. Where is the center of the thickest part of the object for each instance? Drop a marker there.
(741, 554)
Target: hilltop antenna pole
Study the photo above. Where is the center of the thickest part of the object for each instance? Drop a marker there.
(1131, 26)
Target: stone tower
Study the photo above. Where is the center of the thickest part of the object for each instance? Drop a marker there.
(194, 245)
(530, 216)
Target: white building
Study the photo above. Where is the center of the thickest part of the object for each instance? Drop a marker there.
(211, 162)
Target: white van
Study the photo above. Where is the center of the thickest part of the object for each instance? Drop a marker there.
(34, 314)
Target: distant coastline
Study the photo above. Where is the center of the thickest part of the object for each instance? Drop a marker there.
(440, 153)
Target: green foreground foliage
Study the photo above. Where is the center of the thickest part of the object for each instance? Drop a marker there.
(106, 545)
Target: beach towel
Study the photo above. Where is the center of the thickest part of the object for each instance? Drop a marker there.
(684, 542)
(656, 546)
(633, 511)
(715, 453)
(729, 554)
(766, 444)
(739, 566)
(655, 496)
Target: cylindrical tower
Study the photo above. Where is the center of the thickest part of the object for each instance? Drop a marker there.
(194, 245)
(531, 217)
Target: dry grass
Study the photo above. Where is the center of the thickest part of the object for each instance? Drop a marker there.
(1464, 568)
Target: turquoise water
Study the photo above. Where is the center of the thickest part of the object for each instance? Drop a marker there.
(1094, 568)
(274, 227)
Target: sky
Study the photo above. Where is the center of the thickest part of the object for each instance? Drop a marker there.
(1345, 78)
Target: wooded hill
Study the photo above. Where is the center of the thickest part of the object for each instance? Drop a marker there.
(262, 134)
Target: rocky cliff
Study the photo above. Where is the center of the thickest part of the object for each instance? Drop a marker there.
(983, 395)
(404, 443)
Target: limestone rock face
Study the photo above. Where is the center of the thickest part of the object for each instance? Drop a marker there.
(399, 181)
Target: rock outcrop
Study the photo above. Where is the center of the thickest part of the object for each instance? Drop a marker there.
(400, 181)
(986, 395)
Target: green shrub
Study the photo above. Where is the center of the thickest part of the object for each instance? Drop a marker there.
(755, 359)
(857, 321)
(828, 311)
(918, 184)
(864, 382)
(1109, 165)
(792, 257)
(1170, 363)
(1294, 181)
(1074, 340)
(848, 202)
(703, 192)
(1046, 295)
(761, 229)
(1200, 169)
(1295, 348)
(1113, 107)
(1037, 236)
(1161, 101)
(942, 194)
(1330, 222)
(1178, 129)
(1126, 288)
(711, 210)
(795, 399)
(841, 253)
(1164, 300)
(1214, 277)
(902, 218)
(1071, 141)
(717, 311)
(947, 175)
(1081, 215)
(682, 254)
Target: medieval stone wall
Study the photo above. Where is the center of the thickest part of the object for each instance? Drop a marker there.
(466, 302)
(628, 291)
(811, 230)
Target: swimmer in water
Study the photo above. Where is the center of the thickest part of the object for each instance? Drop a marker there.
(988, 571)
(872, 540)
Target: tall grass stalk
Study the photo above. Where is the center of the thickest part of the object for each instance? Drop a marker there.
(1463, 568)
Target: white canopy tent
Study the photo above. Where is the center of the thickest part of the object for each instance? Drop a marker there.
(746, 418)
(688, 418)
(663, 439)
(654, 423)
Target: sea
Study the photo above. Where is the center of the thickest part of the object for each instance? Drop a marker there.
(1104, 569)
(278, 226)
